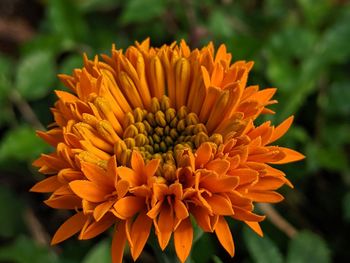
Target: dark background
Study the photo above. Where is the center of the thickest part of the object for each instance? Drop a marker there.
(300, 46)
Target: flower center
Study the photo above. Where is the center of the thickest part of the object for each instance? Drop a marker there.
(161, 132)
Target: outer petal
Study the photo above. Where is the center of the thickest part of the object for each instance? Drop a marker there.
(64, 202)
(255, 227)
(291, 156)
(165, 225)
(183, 237)
(281, 129)
(50, 184)
(118, 243)
(97, 228)
(223, 233)
(69, 228)
(140, 231)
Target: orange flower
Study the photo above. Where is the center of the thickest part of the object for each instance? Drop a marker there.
(150, 137)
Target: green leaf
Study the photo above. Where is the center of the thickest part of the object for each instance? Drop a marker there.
(261, 249)
(315, 11)
(138, 11)
(93, 5)
(24, 250)
(66, 20)
(308, 247)
(10, 213)
(338, 98)
(35, 75)
(220, 25)
(21, 144)
(99, 253)
(334, 45)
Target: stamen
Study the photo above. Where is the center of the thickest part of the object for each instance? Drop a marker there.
(161, 133)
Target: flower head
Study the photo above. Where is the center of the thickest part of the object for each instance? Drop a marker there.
(154, 136)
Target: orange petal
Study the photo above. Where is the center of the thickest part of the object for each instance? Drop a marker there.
(204, 153)
(47, 185)
(265, 196)
(202, 218)
(165, 224)
(64, 202)
(122, 188)
(183, 237)
(102, 209)
(118, 243)
(128, 206)
(255, 227)
(220, 205)
(129, 175)
(152, 167)
(245, 215)
(88, 191)
(269, 183)
(137, 162)
(291, 156)
(97, 175)
(180, 209)
(140, 231)
(245, 175)
(97, 228)
(223, 233)
(220, 185)
(281, 129)
(69, 228)
(219, 166)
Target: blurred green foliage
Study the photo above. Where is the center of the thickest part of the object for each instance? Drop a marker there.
(300, 46)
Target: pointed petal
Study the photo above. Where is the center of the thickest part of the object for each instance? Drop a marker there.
(166, 225)
(291, 156)
(69, 228)
(118, 243)
(97, 228)
(88, 191)
(204, 153)
(50, 184)
(180, 209)
(64, 202)
(281, 129)
(224, 235)
(255, 227)
(102, 209)
(140, 231)
(137, 162)
(245, 215)
(183, 237)
(265, 196)
(152, 167)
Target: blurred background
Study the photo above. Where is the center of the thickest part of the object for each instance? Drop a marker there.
(299, 46)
